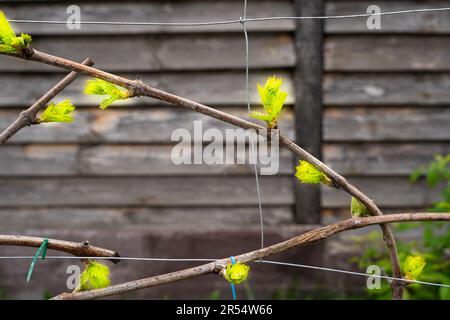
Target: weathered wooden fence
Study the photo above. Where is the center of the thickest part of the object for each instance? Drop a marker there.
(375, 106)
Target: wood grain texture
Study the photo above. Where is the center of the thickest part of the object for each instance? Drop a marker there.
(20, 220)
(418, 23)
(163, 52)
(381, 159)
(211, 88)
(387, 124)
(418, 89)
(222, 88)
(387, 53)
(116, 160)
(150, 11)
(363, 159)
(155, 125)
(153, 53)
(197, 191)
(128, 125)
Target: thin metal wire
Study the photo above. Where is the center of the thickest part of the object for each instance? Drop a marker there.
(252, 142)
(353, 273)
(226, 22)
(305, 266)
(134, 23)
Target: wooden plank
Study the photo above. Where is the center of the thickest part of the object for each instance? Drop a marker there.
(184, 242)
(212, 88)
(141, 53)
(117, 160)
(196, 11)
(148, 191)
(386, 192)
(197, 191)
(308, 97)
(350, 159)
(150, 11)
(387, 88)
(225, 51)
(422, 23)
(128, 218)
(387, 53)
(227, 88)
(381, 158)
(122, 125)
(156, 125)
(387, 124)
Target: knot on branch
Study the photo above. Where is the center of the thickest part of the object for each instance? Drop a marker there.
(27, 53)
(28, 118)
(137, 88)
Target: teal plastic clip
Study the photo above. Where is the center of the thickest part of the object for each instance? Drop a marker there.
(233, 287)
(43, 249)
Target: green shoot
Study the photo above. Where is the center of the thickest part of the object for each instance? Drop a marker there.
(61, 112)
(413, 267)
(307, 173)
(358, 209)
(236, 273)
(9, 42)
(104, 88)
(272, 99)
(94, 276)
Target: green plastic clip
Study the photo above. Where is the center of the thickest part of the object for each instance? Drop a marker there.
(43, 249)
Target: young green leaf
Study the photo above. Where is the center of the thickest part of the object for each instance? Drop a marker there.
(413, 267)
(236, 273)
(358, 209)
(9, 43)
(272, 99)
(94, 276)
(104, 88)
(307, 173)
(415, 175)
(61, 112)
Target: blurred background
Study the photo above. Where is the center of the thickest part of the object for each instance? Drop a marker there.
(383, 100)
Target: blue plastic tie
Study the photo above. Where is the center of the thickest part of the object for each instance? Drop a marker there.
(233, 287)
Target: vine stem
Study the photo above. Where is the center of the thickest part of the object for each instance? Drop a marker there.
(217, 266)
(83, 249)
(28, 117)
(138, 88)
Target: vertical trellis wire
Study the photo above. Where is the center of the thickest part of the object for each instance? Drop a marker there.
(252, 142)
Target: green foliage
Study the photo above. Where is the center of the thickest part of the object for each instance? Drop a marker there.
(104, 88)
(215, 295)
(307, 173)
(9, 42)
(61, 112)
(236, 273)
(94, 276)
(435, 172)
(272, 99)
(358, 209)
(433, 248)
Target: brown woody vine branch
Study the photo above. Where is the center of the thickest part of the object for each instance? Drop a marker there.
(83, 249)
(28, 116)
(138, 88)
(217, 266)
